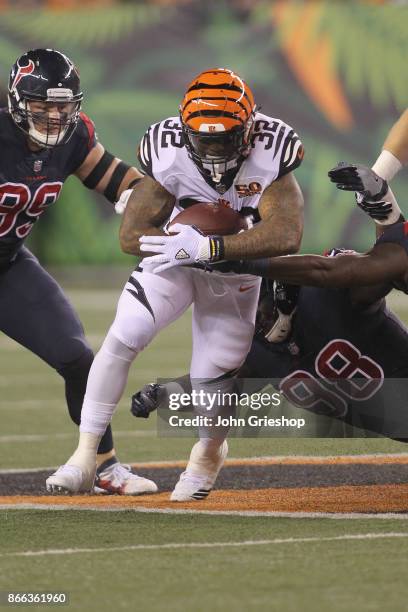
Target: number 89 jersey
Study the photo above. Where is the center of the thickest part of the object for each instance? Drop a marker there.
(31, 181)
(275, 151)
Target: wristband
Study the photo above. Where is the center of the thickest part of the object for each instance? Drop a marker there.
(216, 248)
(395, 213)
(387, 165)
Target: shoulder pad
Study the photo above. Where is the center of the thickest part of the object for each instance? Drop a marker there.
(159, 146)
(86, 129)
(277, 143)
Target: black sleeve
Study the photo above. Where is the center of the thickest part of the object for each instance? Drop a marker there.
(292, 154)
(398, 234)
(144, 154)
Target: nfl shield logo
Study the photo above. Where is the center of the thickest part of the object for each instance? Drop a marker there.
(37, 165)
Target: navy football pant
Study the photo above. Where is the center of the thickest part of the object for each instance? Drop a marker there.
(35, 313)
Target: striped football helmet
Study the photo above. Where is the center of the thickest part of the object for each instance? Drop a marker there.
(217, 117)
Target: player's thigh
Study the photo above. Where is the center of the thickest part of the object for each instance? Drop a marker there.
(223, 322)
(35, 313)
(148, 303)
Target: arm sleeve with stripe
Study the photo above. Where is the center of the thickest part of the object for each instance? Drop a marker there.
(144, 154)
(292, 154)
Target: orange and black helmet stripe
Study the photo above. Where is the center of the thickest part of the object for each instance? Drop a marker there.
(217, 96)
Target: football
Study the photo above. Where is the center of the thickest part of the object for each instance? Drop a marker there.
(211, 218)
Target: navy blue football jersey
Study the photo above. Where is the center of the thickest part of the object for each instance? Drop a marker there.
(31, 181)
(327, 317)
(397, 234)
(341, 361)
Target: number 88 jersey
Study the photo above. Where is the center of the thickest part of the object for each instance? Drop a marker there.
(275, 150)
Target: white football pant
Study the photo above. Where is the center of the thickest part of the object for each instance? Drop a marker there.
(224, 309)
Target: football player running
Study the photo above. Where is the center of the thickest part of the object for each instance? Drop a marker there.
(44, 138)
(341, 329)
(220, 145)
(327, 318)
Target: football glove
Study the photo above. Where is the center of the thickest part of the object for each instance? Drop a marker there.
(372, 195)
(185, 246)
(379, 211)
(354, 177)
(146, 400)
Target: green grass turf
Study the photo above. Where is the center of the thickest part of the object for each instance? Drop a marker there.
(356, 575)
(33, 404)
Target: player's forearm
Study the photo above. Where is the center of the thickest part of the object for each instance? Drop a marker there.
(129, 237)
(133, 227)
(149, 206)
(281, 227)
(390, 161)
(397, 139)
(312, 270)
(265, 240)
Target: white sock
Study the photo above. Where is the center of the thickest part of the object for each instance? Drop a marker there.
(106, 383)
(85, 454)
(207, 457)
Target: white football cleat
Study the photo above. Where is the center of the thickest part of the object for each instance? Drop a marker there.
(193, 485)
(71, 479)
(114, 477)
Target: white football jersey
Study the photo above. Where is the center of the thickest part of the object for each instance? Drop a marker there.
(276, 150)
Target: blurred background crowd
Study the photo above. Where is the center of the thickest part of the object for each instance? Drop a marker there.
(334, 70)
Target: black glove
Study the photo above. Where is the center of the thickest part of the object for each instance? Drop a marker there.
(379, 211)
(354, 177)
(146, 400)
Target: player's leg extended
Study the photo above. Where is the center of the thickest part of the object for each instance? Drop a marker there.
(35, 313)
(148, 303)
(223, 326)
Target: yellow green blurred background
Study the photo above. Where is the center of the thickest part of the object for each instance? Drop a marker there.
(334, 70)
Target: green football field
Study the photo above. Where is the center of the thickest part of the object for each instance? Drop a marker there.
(152, 560)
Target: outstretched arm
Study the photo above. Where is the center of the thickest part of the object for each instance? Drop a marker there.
(383, 264)
(396, 143)
(371, 184)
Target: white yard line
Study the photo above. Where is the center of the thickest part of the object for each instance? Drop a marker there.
(52, 379)
(35, 404)
(179, 545)
(148, 433)
(243, 513)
